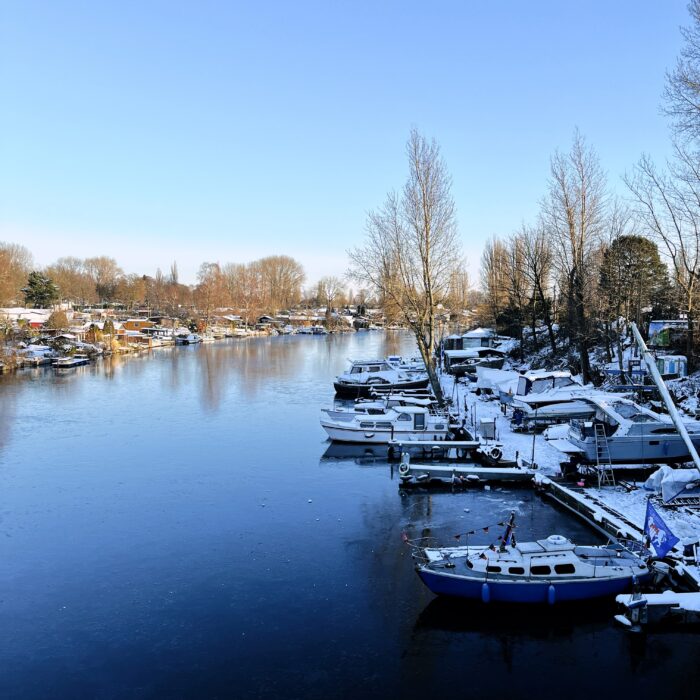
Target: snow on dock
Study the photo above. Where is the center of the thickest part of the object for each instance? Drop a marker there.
(619, 511)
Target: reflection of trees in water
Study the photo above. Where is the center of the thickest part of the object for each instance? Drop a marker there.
(9, 390)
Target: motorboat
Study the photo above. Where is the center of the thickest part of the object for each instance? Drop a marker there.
(549, 570)
(71, 361)
(622, 432)
(378, 406)
(544, 397)
(465, 362)
(403, 423)
(409, 364)
(188, 339)
(366, 375)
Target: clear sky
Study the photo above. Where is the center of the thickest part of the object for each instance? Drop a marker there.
(222, 131)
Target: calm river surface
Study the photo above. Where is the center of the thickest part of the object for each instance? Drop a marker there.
(170, 526)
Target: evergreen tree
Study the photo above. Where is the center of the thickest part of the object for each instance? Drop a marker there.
(40, 291)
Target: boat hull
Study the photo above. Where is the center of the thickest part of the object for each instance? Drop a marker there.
(648, 449)
(527, 592)
(355, 391)
(379, 436)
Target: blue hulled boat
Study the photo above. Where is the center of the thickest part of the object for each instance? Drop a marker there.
(551, 570)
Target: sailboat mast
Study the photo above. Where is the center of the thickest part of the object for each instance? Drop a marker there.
(672, 410)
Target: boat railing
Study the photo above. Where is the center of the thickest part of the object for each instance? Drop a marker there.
(417, 546)
(634, 547)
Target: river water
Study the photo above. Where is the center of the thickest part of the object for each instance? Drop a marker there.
(172, 526)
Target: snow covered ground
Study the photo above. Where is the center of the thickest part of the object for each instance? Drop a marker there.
(631, 505)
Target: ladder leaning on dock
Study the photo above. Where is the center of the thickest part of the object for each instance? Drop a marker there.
(604, 469)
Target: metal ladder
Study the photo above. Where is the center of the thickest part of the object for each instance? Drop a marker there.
(604, 469)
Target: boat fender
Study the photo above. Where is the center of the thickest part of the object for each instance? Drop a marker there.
(404, 468)
(551, 594)
(485, 593)
(495, 453)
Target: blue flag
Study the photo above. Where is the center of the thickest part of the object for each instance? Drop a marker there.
(659, 534)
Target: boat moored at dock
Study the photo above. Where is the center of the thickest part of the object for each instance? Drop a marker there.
(366, 375)
(549, 570)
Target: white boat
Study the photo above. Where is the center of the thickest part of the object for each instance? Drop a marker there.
(189, 339)
(70, 362)
(403, 423)
(367, 407)
(366, 375)
(408, 364)
(621, 432)
(545, 397)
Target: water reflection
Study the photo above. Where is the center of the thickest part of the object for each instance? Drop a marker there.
(169, 530)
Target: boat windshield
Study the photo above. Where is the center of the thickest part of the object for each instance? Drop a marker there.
(633, 413)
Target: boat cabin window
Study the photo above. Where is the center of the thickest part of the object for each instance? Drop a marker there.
(493, 569)
(632, 413)
(356, 370)
(419, 421)
(516, 570)
(384, 424)
(561, 382)
(540, 570)
(404, 416)
(365, 424)
(564, 569)
(375, 368)
(664, 431)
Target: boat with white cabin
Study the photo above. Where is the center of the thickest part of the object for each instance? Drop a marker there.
(366, 375)
(549, 570)
(403, 423)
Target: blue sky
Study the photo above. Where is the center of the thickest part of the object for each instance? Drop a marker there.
(222, 131)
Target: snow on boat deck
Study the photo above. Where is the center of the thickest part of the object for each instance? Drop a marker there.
(615, 510)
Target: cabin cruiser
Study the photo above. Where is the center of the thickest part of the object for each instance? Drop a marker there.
(71, 361)
(188, 339)
(464, 362)
(549, 570)
(622, 432)
(544, 397)
(410, 364)
(366, 375)
(403, 423)
(377, 406)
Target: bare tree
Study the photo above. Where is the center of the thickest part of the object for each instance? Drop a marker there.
(209, 292)
(518, 289)
(329, 289)
(411, 250)
(682, 93)
(668, 203)
(574, 214)
(494, 263)
(105, 273)
(537, 258)
(15, 265)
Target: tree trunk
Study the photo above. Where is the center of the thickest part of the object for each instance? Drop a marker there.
(429, 360)
(608, 345)
(547, 321)
(580, 330)
(689, 347)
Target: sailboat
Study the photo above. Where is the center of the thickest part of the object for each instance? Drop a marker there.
(549, 570)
